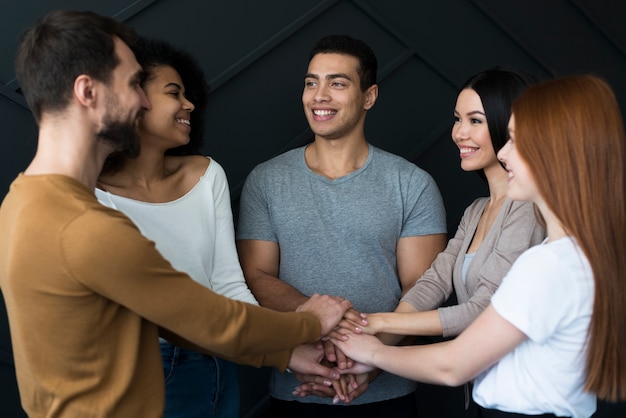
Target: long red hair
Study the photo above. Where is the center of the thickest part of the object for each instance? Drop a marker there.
(571, 134)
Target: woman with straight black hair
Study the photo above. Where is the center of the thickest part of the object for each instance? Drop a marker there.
(493, 232)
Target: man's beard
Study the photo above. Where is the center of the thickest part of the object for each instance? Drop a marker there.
(122, 135)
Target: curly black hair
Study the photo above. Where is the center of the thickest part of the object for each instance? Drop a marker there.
(154, 53)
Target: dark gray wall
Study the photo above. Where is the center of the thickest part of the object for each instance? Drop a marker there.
(255, 55)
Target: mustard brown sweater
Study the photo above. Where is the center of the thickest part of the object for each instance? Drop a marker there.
(86, 295)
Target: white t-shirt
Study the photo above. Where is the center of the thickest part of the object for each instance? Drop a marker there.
(548, 295)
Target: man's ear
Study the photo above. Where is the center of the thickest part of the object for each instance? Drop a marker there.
(85, 90)
(370, 96)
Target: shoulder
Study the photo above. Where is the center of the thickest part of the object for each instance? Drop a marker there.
(519, 206)
(192, 165)
(98, 220)
(476, 207)
(566, 251)
(550, 259)
(519, 212)
(389, 158)
(395, 165)
(120, 247)
(557, 267)
(188, 170)
(288, 160)
(288, 157)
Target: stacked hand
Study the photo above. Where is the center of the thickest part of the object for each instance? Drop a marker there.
(328, 309)
(352, 378)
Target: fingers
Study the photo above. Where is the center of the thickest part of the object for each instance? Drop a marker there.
(352, 382)
(358, 368)
(320, 371)
(355, 316)
(363, 326)
(359, 347)
(313, 367)
(329, 351)
(337, 334)
(312, 379)
(361, 384)
(345, 389)
(343, 362)
(346, 325)
(334, 355)
(329, 310)
(344, 302)
(341, 389)
(314, 389)
(306, 358)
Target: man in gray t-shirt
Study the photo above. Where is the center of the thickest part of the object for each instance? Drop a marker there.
(339, 217)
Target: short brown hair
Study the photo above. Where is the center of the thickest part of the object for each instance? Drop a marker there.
(61, 46)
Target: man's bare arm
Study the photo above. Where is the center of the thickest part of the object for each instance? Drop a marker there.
(415, 255)
(260, 263)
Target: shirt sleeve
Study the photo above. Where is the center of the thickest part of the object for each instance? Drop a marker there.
(528, 296)
(105, 252)
(425, 213)
(254, 213)
(227, 278)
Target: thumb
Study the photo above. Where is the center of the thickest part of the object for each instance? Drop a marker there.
(324, 371)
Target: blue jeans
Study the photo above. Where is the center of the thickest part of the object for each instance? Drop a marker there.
(198, 386)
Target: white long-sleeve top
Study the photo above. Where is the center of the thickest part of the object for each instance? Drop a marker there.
(195, 232)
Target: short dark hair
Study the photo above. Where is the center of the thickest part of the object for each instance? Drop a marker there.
(152, 54)
(61, 46)
(498, 88)
(344, 44)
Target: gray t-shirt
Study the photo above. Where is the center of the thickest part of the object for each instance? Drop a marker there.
(339, 237)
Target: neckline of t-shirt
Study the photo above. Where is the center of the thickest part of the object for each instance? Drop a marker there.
(203, 178)
(340, 180)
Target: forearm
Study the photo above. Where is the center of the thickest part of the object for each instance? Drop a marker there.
(279, 359)
(456, 318)
(414, 257)
(452, 363)
(224, 326)
(407, 323)
(271, 292)
(260, 262)
(424, 363)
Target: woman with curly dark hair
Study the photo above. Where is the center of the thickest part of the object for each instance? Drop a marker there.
(180, 200)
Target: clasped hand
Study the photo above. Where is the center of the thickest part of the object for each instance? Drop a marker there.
(353, 378)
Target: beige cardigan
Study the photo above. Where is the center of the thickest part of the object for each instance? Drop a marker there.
(515, 230)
